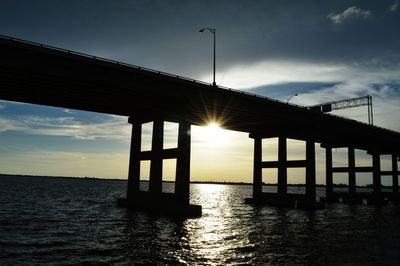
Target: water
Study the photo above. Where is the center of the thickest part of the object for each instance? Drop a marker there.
(46, 221)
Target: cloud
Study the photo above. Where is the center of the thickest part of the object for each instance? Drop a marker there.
(394, 6)
(385, 101)
(115, 128)
(346, 82)
(111, 130)
(349, 14)
(283, 91)
(280, 71)
(7, 124)
(269, 72)
(68, 111)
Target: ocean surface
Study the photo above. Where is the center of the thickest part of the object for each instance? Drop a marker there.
(49, 221)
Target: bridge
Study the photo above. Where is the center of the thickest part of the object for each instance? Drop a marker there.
(45, 75)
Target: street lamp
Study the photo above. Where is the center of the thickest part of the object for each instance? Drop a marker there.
(288, 99)
(213, 32)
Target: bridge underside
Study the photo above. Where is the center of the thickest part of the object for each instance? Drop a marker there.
(37, 74)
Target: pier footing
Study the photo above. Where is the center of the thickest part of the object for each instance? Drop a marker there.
(298, 201)
(165, 203)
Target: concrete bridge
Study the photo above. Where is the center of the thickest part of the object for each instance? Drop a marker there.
(40, 74)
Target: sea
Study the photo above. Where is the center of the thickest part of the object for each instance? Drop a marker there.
(61, 221)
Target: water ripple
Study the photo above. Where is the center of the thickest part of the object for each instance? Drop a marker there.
(75, 222)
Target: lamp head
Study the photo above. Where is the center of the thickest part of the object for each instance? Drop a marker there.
(209, 29)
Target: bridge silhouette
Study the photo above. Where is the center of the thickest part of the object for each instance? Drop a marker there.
(45, 75)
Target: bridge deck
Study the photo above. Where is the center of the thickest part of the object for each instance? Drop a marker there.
(39, 74)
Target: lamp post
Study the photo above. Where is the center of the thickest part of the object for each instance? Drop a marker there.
(213, 32)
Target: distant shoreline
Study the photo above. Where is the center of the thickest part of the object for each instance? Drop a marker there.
(192, 182)
(63, 177)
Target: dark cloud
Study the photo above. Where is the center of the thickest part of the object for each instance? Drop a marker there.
(164, 34)
(394, 6)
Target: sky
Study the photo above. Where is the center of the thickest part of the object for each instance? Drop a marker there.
(320, 50)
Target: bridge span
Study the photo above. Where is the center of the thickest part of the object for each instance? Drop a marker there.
(40, 74)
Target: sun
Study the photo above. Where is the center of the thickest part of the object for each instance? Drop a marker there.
(213, 128)
(213, 133)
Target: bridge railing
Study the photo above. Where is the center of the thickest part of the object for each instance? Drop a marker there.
(102, 59)
(139, 68)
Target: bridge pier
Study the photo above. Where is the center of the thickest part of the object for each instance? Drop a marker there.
(394, 195)
(156, 163)
(310, 172)
(352, 196)
(352, 170)
(282, 166)
(282, 198)
(395, 174)
(182, 182)
(134, 161)
(155, 199)
(257, 169)
(329, 174)
(377, 196)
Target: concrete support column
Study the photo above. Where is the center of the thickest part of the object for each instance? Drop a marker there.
(310, 171)
(182, 181)
(257, 170)
(282, 169)
(155, 183)
(395, 174)
(329, 173)
(134, 160)
(352, 170)
(376, 165)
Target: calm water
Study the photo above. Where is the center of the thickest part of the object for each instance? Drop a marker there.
(76, 222)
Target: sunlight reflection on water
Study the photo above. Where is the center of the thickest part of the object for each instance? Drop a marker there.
(218, 229)
(75, 222)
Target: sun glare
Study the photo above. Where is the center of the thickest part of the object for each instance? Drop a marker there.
(213, 133)
(213, 127)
